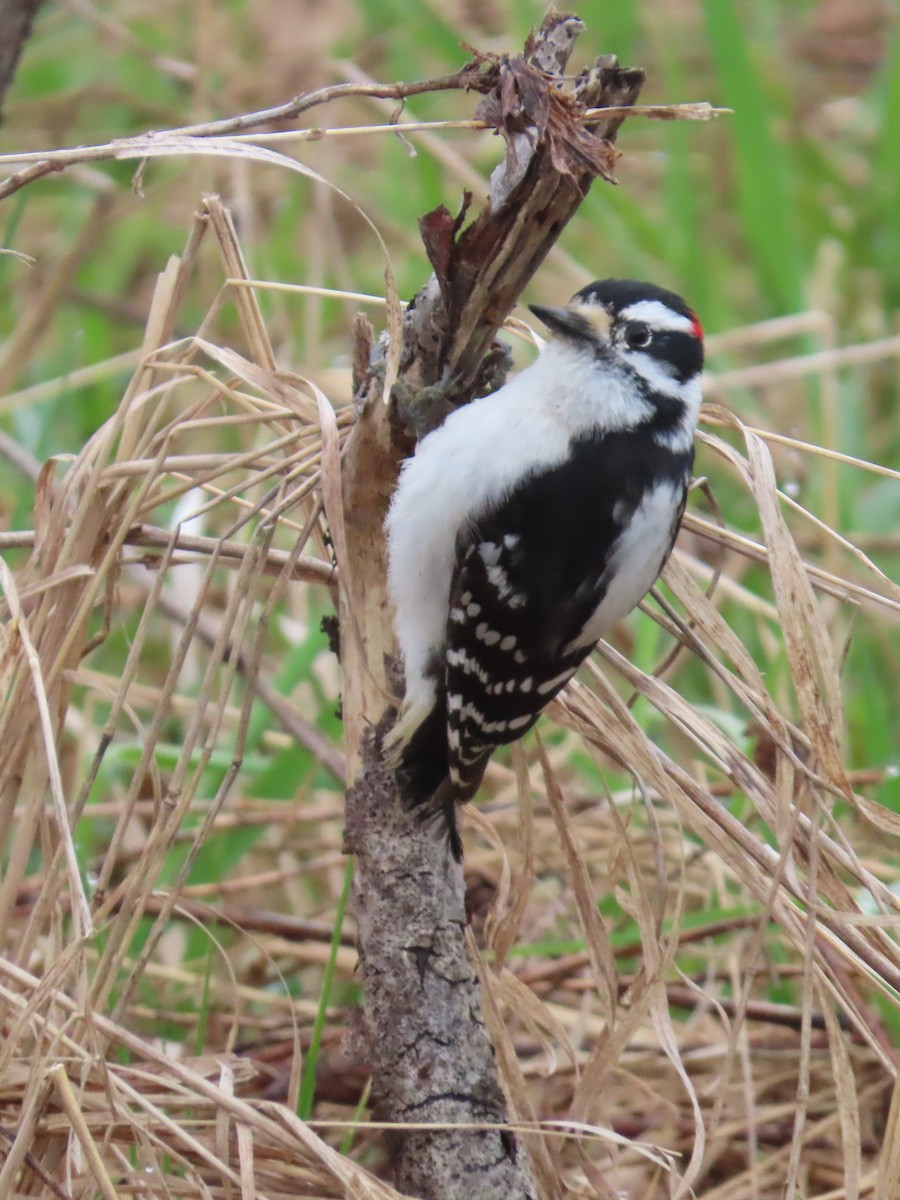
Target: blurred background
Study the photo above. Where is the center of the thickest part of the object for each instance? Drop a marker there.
(787, 208)
(789, 204)
(780, 223)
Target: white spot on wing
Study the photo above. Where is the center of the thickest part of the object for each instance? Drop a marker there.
(498, 577)
(621, 509)
(550, 684)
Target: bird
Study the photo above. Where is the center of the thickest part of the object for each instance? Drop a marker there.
(532, 521)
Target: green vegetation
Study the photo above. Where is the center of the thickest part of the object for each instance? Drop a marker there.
(787, 208)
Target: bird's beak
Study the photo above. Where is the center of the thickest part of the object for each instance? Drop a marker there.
(578, 324)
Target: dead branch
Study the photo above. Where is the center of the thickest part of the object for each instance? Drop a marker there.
(431, 1055)
(16, 20)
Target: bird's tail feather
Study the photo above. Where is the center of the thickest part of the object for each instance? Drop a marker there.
(421, 761)
(441, 810)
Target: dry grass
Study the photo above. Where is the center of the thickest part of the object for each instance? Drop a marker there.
(650, 1061)
(687, 934)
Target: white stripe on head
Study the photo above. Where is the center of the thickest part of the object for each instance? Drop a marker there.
(681, 437)
(658, 316)
(655, 374)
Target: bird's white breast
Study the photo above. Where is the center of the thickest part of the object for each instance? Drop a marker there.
(635, 562)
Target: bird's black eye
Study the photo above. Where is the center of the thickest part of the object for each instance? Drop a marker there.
(637, 335)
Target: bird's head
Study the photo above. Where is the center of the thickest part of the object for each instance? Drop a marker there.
(646, 328)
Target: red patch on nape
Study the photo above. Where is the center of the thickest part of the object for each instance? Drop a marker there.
(696, 327)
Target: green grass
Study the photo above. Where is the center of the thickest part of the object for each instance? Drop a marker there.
(308, 1082)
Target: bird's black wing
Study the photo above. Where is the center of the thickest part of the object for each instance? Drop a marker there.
(529, 574)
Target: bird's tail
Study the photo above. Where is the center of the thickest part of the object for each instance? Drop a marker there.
(420, 758)
(441, 808)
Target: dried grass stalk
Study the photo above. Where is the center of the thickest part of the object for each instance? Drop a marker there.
(664, 1061)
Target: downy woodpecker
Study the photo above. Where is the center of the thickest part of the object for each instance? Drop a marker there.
(532, 521)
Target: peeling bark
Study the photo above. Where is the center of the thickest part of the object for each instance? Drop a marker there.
(431, 1058)
(451, 324)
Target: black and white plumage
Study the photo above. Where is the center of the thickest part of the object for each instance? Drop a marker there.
(532, 521)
